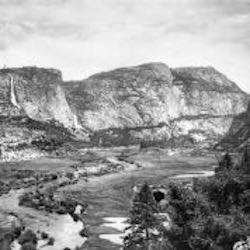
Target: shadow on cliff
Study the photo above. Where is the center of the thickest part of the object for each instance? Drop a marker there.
(238, 134)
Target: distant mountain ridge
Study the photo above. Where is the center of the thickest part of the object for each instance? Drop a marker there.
(150, 104)
(153, 102)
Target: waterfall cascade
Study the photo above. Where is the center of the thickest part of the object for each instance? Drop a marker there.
(76, 123)
(13, 98)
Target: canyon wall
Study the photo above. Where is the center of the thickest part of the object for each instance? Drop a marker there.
(35, 93)
(32, 104)
(154, 103)
(150, 104)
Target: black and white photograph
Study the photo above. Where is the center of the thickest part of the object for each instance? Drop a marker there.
(124, 124)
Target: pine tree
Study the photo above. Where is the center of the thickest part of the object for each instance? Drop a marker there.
(226, 164)
(245, 160)
(143, 220)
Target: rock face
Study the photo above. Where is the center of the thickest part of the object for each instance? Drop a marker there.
(238, 136)
(30, 99)
(35, 93)
(154, 103)
(150, 104)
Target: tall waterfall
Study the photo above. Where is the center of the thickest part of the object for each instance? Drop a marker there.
(76, 124)
(13, 99)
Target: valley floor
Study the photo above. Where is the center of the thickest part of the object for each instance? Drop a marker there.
(110, 195)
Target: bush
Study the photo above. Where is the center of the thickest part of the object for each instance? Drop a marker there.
(70, 175)
(17, 232)
(226, 164)
(51, 241)
(83, 232)
(28, 237)
(28, 246)
(44, 235)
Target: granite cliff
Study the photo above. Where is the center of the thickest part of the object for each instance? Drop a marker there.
(35, 93)
(238, 136)
(155, 104)
(150, 104)
(32, 105)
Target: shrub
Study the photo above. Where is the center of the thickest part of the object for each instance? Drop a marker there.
(83, 232)
(17, 232)
(51, 241)
(28, 236)
(44, 235)
(28, 246)
(70, 175)
(226, 164)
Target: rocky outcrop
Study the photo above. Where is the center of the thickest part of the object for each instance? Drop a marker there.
(150, 104)
(10, 228)
(32, 105)
(238, 136)
(35, 93)
(154, 103)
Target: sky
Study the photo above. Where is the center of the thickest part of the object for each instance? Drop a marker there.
(83, 37)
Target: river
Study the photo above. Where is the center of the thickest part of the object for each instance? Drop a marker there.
(62, 228)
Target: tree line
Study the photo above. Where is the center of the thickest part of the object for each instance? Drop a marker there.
(212, 214)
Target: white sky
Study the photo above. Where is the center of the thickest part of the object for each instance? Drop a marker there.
(82, 37)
